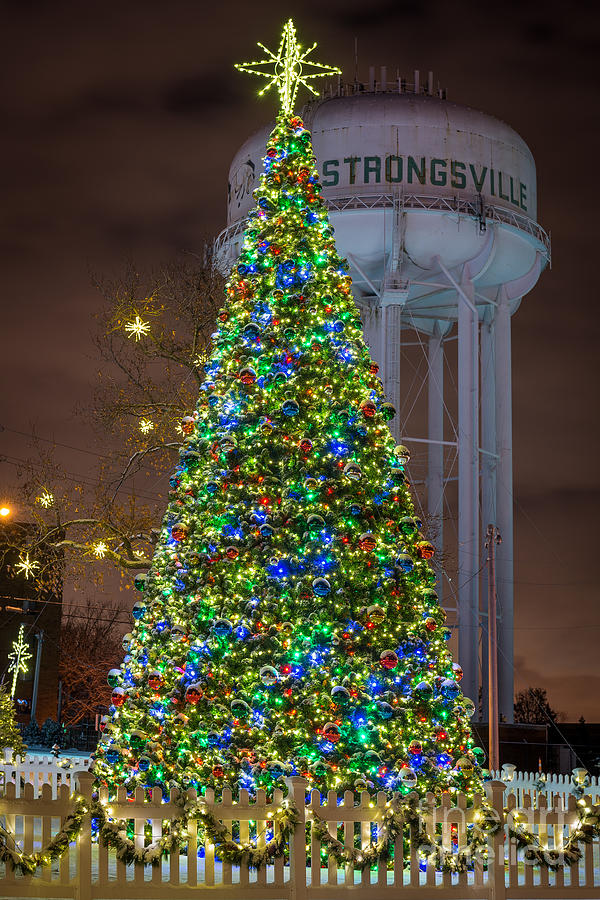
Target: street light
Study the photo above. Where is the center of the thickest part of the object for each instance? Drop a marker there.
(5, 511)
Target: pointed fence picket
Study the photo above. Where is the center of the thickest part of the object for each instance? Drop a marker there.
(90, 871)
(40, 770)
(551, 785)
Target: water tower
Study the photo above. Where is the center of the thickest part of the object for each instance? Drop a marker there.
(434, 207)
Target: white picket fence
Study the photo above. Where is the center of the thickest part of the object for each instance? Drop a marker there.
(90, 871)
(550, 785)
(40, 770)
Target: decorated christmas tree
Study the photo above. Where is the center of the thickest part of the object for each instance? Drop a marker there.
(289, 622)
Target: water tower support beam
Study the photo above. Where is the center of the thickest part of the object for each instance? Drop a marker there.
(435, 451)
(468, 487)
(487, 459)
(504, 506)
(391, 323)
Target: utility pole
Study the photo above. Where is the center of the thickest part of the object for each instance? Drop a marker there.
(36, 676)
(492, 539)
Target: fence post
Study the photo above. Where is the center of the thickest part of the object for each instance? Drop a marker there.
(83, 887)
(496, 876)
(297, 794)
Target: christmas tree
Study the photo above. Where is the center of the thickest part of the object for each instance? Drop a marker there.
(10, 735)
(289, 622)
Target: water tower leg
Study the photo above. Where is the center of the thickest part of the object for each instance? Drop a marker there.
(488, 461)
(504, 505)
(435, 462)
(468, 489)
(391, 324)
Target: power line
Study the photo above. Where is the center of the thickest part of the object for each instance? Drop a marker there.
(37, 437)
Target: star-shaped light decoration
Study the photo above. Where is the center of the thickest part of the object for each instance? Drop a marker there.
(19, 657)
(27, 566)
(146, 425)
(137, 328)
(287, 68)
(46, 499)
(100, 549)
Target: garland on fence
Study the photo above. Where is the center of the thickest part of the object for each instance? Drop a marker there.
(396, 814)
(585, 832)
(27, 863)
(114, 834)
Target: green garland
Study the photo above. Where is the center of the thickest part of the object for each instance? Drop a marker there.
(27, 863)
(113, 833)
(395, 816)
(585, 832)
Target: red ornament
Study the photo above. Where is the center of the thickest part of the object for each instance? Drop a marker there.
(368, 409)
(218, 771)
(179, 531)
(306, 445)
(331, 732)
(430, 624)
(187, 424)
(374, 368)
(248, 376)
(232, 552)
(118, 697)
(155, 681)
(425, 549)
(388, 659)
(367, 542)
(193, 693)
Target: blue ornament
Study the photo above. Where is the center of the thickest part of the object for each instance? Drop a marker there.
(384, 710)
(222, 627)
(404, 562)
(450, 689)
(290, 408)
(321, 587)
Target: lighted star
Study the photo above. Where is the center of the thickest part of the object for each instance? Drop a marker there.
(146, 425)
(19, 657)
(287, 68)
(137, 328)
(45, 499)
(27, 566)
(100, 549)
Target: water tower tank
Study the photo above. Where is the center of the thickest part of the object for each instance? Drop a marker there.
(434, 206)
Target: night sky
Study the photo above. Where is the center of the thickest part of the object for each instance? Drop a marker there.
(119, 123)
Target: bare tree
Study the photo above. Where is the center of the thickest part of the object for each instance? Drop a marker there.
(533, 707)
(152, 343)
(90, 645)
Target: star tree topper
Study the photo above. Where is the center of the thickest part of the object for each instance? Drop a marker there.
(287, 68)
